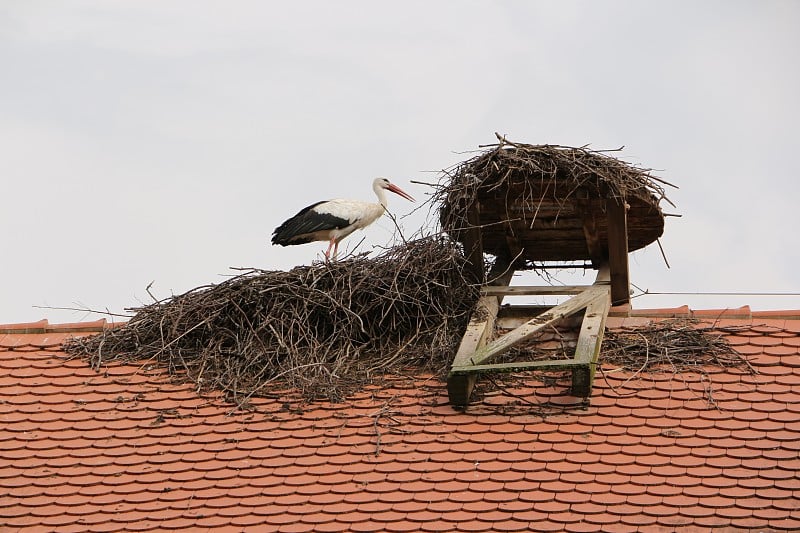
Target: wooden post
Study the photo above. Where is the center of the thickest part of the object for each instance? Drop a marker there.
(589, 341)
(590, 227)
(478, 333)
(616, 210)
(480, 327)
(473, 243)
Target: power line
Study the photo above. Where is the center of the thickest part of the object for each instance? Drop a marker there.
(659, 293)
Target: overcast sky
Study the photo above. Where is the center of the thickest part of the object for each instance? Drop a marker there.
(164, 141)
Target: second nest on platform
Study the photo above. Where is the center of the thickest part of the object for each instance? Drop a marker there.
(539, 202)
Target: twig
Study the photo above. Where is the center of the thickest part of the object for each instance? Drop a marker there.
(150, 293)
(82, 309)
(417, 182)
(658, 241)
(509, 393)
(383, 411)
(644, 364)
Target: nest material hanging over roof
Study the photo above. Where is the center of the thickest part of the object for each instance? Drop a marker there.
(674, 345)
(540, 201)
(321, 329)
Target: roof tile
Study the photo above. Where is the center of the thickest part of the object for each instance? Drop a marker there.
(660, 455)
(733, 512)
(785, 523)
(602, 519)
(712, 521)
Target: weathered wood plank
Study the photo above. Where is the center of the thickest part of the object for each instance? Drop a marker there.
(603, 275)
(590, 339)
(481, 325)
(527, 290)
(479, 329)
(566, 234)
(618, 251)
(473, 243)
(563, 364)
(507, 321)
(588, 213)
(546, 235)
(530, 328)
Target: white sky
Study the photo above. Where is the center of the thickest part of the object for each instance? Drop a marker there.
(163, 141)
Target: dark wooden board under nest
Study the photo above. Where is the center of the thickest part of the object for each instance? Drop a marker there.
(556, 232)
(549, 203)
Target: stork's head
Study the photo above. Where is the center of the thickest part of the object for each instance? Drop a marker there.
(384, 183)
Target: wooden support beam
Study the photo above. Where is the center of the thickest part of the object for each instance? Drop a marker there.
(564, 364)
(509, 318)
(478, 332)
(618, 251)
(591, 231)
(480, 327)
(531, 327)
(589, 341)
(527, 290)
(603, 275)
(473, 243)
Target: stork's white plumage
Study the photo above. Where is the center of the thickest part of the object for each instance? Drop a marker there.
(334, 220)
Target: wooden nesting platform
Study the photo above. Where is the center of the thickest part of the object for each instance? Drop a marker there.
(539, 203)
(528, 204)
(534, 223)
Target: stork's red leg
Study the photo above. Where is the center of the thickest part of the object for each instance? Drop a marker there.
(328, 251)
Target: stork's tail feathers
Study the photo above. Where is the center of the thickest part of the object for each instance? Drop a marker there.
(286, 235)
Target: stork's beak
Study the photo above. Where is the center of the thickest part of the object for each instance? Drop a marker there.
(400, 192)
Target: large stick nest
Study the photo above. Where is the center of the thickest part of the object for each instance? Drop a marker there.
(319, 329)
(540, 200)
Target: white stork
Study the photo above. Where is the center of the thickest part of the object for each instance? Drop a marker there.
(333, 220)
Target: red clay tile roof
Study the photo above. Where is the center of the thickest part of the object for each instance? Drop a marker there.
(125, 449)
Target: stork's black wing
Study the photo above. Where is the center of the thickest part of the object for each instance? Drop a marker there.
(299, 228)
